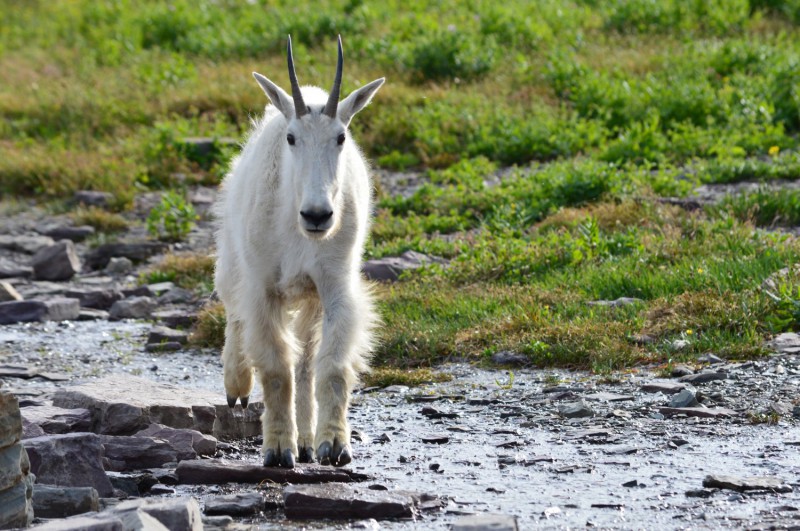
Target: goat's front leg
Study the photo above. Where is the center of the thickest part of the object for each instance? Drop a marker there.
(271, 346)
(347, 322)
(307, 330)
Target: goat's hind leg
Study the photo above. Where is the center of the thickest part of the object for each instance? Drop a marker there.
(272, 350)
(235, 366)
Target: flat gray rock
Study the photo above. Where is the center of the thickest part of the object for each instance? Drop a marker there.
(11, 269)
(62, 502)
(183, 318)
(132, 308)
(742, 484)
(390, 268)
(174, 513)
(123, 404)
(616, 303)
(54, 419)
(697, 412)
(703, 377)
(97, 298)
(219, 471)
(340, 501)
(69, 232)
(788, 343)
(57, 309)
(69, 460)
(24, 244)
(685, 398)
(506, 357)
(57, 262)
(572, 410)
(668, 388)
(486, 522)
(99, 257)
(240, 504)
(162, 334)
(603, 396)
(136, 452)
(187, 443)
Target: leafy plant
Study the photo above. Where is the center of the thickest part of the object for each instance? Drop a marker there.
(172, 219)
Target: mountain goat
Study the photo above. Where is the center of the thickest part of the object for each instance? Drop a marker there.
(293, 216)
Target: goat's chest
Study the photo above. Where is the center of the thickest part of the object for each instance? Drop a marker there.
(297, 272)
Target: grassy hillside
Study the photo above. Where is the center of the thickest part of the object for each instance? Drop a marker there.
(598, 107)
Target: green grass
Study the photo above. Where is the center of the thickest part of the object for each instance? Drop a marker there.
(591, 111)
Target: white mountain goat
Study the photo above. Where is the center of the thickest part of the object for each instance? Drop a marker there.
(292, 219)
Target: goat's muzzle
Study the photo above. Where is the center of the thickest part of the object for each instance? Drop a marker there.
(317, 221)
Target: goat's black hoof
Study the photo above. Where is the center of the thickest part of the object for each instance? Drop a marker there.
(287, 459)
(324, 453)
(231, 401)
(271, 458)
(245, 400)
(335, 454)
(306, 455)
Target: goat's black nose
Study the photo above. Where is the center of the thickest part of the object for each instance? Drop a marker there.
(316, 217)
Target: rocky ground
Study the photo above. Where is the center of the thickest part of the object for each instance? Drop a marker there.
(710, 446)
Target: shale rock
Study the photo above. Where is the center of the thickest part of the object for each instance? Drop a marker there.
(57, 262)
(97, 298)
(58, 420)
(124, 404)
(240, 504)
(489, 522)
(69, 460)
(187, 443)
(58, 309)
(16, 483)
(340, 501)
(136, 252)
(62, 502)
(219, 471)
(132, 308)
(134, 453)
(390, 268)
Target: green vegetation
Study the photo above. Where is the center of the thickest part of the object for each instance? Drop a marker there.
(102, 220)
(172, 218)
(586, 112)
(187, 270)
(386, 376)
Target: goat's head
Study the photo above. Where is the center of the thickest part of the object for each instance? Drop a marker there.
(316, 137)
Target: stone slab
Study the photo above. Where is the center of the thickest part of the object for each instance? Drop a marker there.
(219, 471)
(341, 501)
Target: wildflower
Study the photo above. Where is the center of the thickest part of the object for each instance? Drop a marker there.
(689, 332)
(699, 269)
(774, 150)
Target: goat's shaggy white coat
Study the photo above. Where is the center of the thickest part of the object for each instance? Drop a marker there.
(298, 310)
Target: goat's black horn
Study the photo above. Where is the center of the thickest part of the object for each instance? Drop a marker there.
(333, 98)
(300, 108)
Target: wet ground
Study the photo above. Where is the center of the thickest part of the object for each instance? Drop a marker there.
(493, 443)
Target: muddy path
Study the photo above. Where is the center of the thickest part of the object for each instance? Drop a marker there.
(490, 442)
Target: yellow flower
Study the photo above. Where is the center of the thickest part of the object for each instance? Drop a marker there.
(774, 150)
(699, 269)
(689, 332)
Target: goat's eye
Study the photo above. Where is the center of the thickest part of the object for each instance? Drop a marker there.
(340, 139)
(290, 139)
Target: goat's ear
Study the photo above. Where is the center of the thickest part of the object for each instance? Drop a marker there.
(282, 101)
(357, 100)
